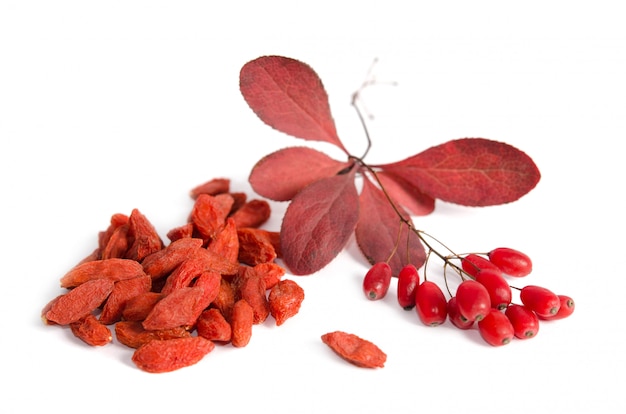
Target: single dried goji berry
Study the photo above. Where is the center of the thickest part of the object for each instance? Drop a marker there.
(226, 242)
(213, 326)
(180, 308)
(253, 213)
(144, 237)
(113, 269)
(211, 187)
(117, 244)
(163, 262)
(79, 301)
(123, 291)
(271, 272)
(255, 247)
(242, 320)
(209, 214)
(133, 335)
(225, 299)
(184, 274)
(117, 220)
(285, 299)
(210, 282)
(180, 232)
(91, 331)
(355, 350)
(138, 307)
(172, 354)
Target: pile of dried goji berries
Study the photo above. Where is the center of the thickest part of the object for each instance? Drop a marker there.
(172, 302)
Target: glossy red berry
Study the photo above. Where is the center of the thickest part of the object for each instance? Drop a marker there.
(377, 280)
(525, 322)
(430, 304)
(542, 301)
(499, 290)
(496, 329)
(512, 262)
(565, 310)
(472, 263)
(408, 280)
(455, 316)
(473, 300)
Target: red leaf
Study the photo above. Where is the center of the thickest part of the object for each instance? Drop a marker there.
(405, 194)
(318, 223)
(470, 171)
(280, 175)
(378, 228)
(288, 95)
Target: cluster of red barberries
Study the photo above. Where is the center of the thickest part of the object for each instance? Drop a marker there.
(483, 298)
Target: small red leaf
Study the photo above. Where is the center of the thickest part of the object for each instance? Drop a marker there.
(470, 171)
(280, 175)
(378, 228)
(319, 222)
(407, 195)
(289, 96)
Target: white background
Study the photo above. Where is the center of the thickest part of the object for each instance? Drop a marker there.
(110, 106)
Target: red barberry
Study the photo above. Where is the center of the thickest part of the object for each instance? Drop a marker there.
(473, 262)
(498, 288)
(496, 329)
(430, 303)
(473, 300)
(525, 322)
(408, 280)
(377, 280)
(541, 300)
(512, 262)
(455, 316)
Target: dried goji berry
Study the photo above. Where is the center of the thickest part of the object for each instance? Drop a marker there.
(91, 331)
(209, 214)
(225, 299)
(271, 272)
(117, 244)
(242, 320)
(285, 299)
(143, 236)
(172, 354)
(79, 301)
(211, 187)
(117, 220)
(255, 247)
(122, 292)
(226, 242)
(355, 350)
(253, 213)
(180, 232)
(113, 269)
(210, 282)
(133, 334)
(180, 308)
(213, 326)
(138, 307)
(163, 262)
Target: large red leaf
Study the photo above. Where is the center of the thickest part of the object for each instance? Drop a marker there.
(470, 171)
(407, 195)
(281, 174)
(379, 229)
(288, 95)
(318, 223)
